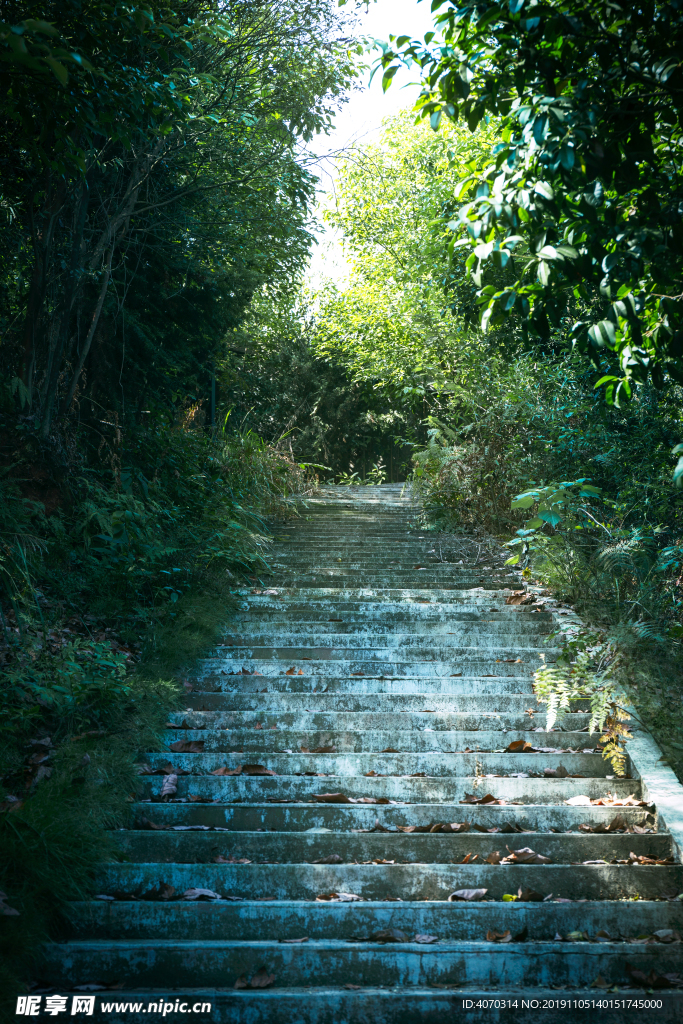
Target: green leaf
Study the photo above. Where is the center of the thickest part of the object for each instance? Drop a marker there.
(550, 517)
(523, 501)
(60, 72)
(544, 189)
(603, 334)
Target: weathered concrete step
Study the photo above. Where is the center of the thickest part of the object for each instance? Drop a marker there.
(418, 655)
(344, 818)
(177, 963)
(388, 627)
(414, 580)
(375, 740)
(406, 790)
(325, 703)
(389, 721)
(294, 919)
(239, 683)
(367, 599)
(305, 848)
(405, 881)
(433, 763)
(400, 1005)
(383, 620)
(477, 637)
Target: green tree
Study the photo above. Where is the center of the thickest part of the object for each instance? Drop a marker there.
(581, 198)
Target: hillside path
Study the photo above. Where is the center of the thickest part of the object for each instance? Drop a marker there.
(356, 772)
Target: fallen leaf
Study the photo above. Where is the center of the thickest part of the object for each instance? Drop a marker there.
(170, 787)
(457, 826)
(529, 896)
(389, 935)
(241, 982)
(332, 798)
(600, 982)
(520, 747)
(294, 942)
(654, 980)
(493, 858)
(201, 894)
(343, 897)
(89, 988)
(187, 747)
(350, 986)
(492, 936)
(224, 770)
(470, 798)
(425, 939)
(262, 979)
(333, 858)
(467, 894)
(220, 859)
(469, 858)
(256, 769)
(390, 750)
(556, 773)
(526, 856)
(578, 801)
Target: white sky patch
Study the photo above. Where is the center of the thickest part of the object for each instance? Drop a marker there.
(360, 120)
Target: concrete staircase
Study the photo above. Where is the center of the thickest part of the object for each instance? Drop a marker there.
(364, 699)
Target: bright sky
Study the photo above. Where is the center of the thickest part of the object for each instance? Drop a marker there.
(360, 119)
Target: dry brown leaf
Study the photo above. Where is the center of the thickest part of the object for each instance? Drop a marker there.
(294, 942)
(426, 940)
(333, 858)
(469, 858)
(526, 856)
(600, 982)
(332, 798)
(493, 858)
(187, 747)
(256, 769)
(470, 798)
(224, 770)
(529, 896)
(520, 747)
(389, 935)
(654, 980)
(492, 936)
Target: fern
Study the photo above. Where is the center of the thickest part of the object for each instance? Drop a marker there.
(559, 686)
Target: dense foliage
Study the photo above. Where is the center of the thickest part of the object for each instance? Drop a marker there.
(580, 200)
(151, 181)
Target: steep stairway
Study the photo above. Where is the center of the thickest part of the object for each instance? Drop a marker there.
(348, 831)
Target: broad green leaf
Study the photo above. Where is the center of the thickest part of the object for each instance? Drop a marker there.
(523, 501)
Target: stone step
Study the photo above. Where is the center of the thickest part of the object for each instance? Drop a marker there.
(247, 683)
(360, 741)
(178, 963)
(189, 847)
(287, 703)
(466, 640)
(393, 1005)
(433, 763)
(294, 918)
(519, 725)
(300, 817)
(396, 881)
(261, 789)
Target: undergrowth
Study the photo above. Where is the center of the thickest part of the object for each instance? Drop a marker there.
(584, 498)
(115, 575)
